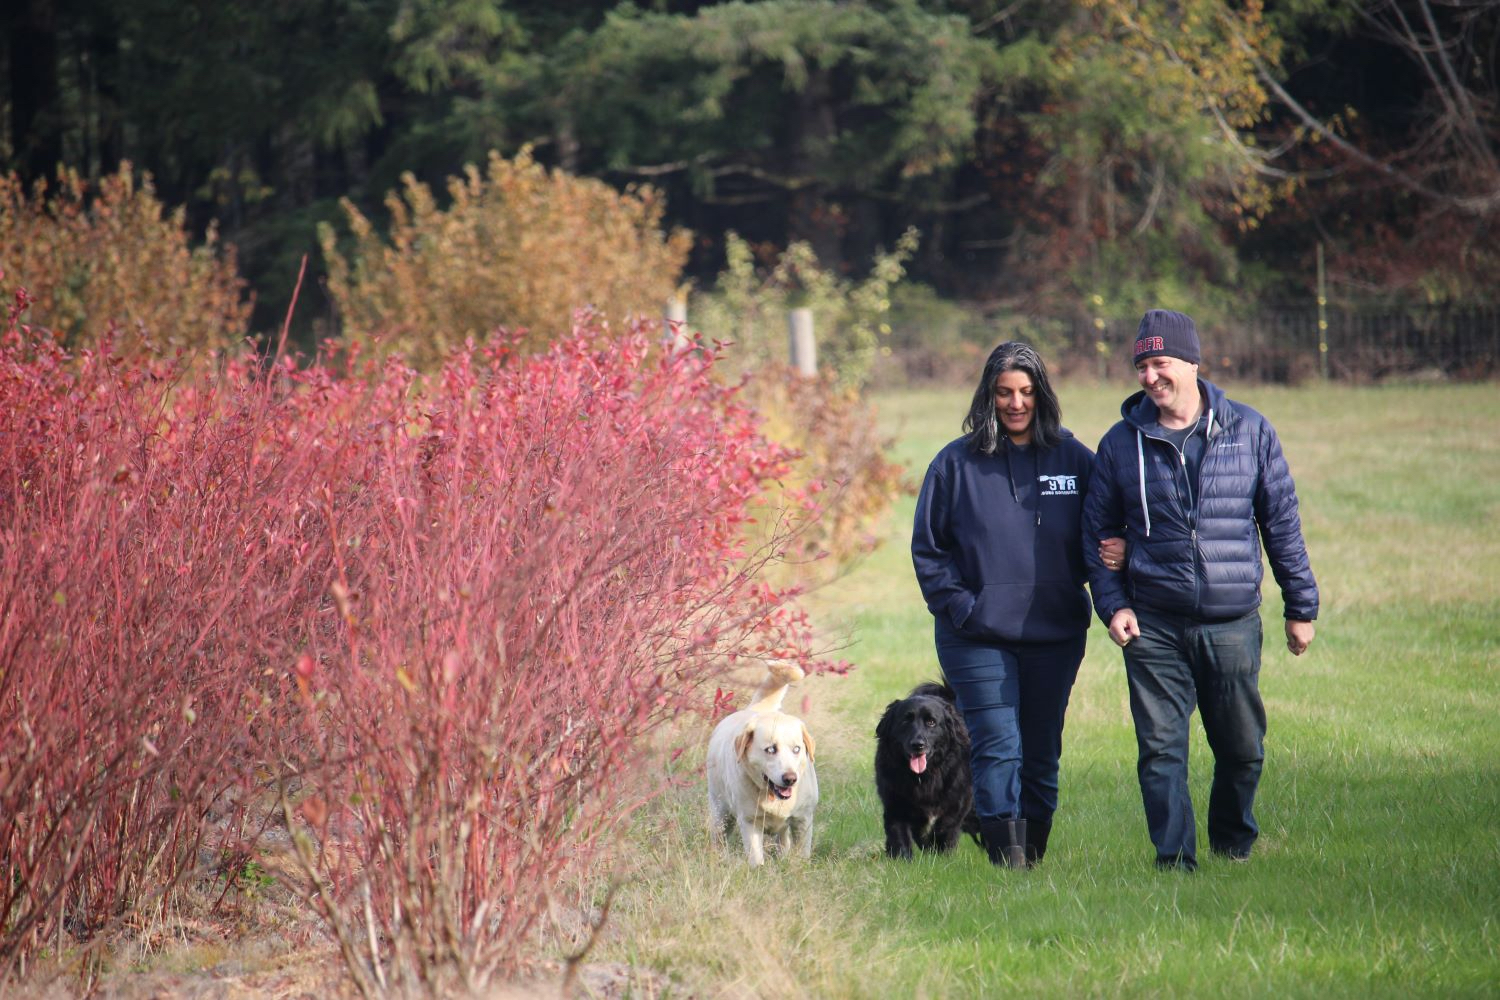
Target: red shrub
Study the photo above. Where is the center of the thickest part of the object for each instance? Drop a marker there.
(524, 590)
(443, 618)
(134, 586)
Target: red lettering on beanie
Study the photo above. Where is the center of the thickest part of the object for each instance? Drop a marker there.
(1150, 344)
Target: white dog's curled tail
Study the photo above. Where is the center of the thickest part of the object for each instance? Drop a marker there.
(780, 675)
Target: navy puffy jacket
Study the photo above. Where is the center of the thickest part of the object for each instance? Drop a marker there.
(1205, 564)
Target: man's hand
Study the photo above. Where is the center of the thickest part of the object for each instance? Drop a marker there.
(1123, 627)
(1299, 635)
(1112, 553)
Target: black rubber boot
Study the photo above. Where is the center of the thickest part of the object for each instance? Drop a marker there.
(1037, 832)
(1004, 841)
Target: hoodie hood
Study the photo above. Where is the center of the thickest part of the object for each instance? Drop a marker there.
(1063, 434)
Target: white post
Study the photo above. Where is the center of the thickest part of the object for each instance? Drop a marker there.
(675, 330)
(804, 350)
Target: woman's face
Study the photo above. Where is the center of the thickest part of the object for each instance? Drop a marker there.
(1015, 405)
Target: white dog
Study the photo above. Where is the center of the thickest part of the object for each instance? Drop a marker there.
(760, 773)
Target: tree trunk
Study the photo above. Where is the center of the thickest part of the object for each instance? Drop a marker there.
(35, 114)
(102, 83)
(813, 218)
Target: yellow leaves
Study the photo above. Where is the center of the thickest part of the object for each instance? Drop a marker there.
(1205, 46)
(112, 253)
(1194, 68)
(517, 246)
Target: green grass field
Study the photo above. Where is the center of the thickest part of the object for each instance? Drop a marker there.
(1378, 869)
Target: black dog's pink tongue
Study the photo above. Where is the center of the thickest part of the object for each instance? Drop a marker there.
(919, 763)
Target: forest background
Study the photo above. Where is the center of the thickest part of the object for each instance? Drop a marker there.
(1080, 161)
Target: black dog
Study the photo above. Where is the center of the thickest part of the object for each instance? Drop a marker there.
(922, 772)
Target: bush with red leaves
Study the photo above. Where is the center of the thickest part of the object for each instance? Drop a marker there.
(440, 619)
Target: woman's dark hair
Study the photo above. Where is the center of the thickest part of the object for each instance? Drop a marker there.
(983, 425)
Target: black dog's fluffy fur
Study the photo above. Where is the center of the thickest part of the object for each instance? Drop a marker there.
(929, 809)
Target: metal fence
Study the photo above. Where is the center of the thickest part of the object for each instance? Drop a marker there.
(1287, 345)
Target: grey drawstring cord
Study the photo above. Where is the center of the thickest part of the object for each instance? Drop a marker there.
(1036, 480)
(1010, 475)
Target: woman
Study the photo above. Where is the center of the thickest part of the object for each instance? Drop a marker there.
(998, 552)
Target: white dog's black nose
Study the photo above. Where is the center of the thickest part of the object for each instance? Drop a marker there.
(789, 779)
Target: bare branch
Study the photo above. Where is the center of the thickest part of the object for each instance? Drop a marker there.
(1484, 202)
(1158, 185)
(789, 182)
(999, 17)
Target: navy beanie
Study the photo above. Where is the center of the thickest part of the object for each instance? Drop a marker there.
(1163, 331)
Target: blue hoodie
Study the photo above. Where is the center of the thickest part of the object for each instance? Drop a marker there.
(997, 544)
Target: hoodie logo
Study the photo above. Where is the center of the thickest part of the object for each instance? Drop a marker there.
(1058, 486)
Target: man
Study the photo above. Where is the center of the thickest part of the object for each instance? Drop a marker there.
(1200, 483)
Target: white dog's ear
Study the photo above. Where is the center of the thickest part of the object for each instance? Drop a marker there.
(807, 741)
(743, 740)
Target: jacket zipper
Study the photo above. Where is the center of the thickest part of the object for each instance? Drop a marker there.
(1192, 510)
(1192, 521)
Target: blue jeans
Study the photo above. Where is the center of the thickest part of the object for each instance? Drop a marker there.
(1013, 698)
(1175, 664)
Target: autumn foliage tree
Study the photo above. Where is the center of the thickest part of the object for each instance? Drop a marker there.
(830, 428)
(748, 306)
(516, 245)
(110, 252)
(839, 455)
(1137, 135)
